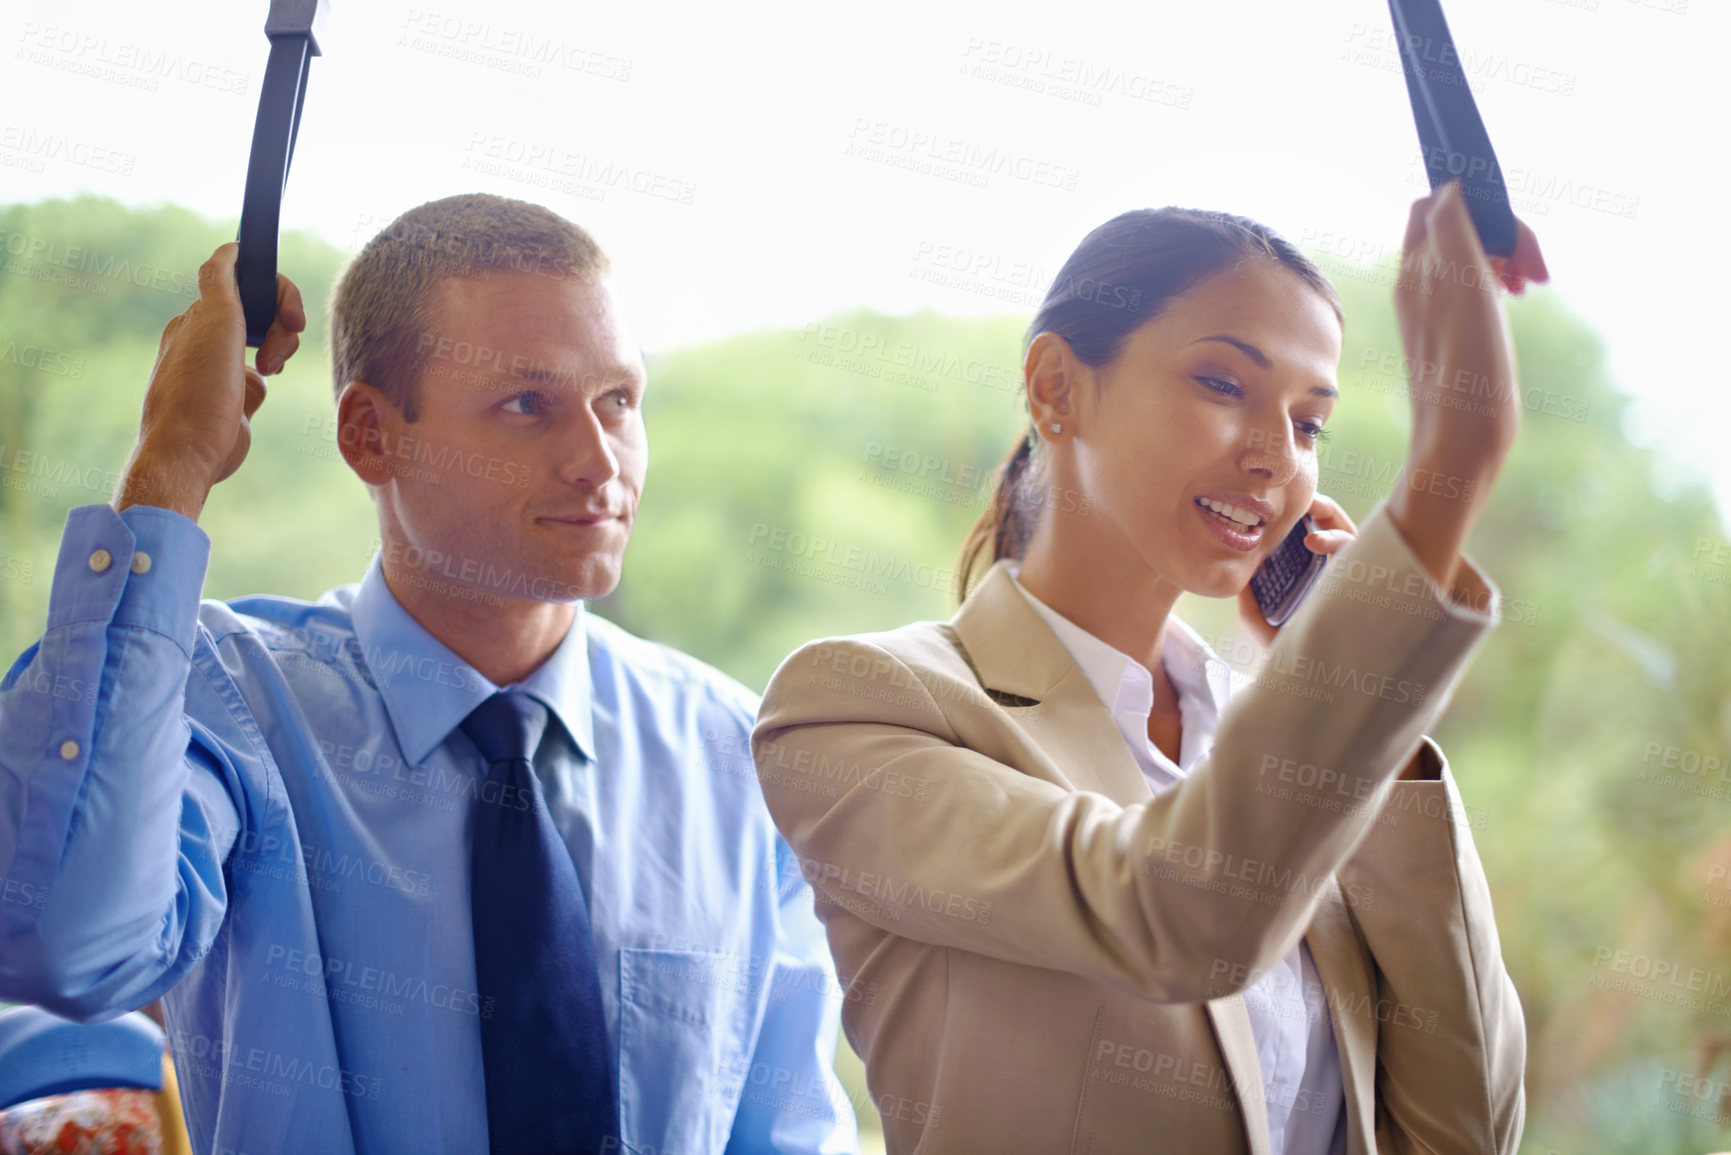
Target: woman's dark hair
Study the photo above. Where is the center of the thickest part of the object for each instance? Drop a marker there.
(1123, 274)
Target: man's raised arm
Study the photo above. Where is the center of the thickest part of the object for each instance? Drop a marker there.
(116, 815)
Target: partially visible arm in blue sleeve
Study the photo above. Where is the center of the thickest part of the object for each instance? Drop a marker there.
(114, 821)
(792, 1100)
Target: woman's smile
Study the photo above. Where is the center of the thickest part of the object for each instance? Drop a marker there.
(1228, 524)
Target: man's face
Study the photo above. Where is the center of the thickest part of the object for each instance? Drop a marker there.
(524, 470)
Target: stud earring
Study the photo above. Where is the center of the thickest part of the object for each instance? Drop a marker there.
(1057, 428)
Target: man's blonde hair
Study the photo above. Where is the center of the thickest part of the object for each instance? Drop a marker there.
(382, 307)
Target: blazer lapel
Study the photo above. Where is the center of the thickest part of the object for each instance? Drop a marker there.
(1340, 964)
(1238, 1051)
(1023, 666)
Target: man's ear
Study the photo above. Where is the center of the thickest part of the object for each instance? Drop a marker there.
(365, 423)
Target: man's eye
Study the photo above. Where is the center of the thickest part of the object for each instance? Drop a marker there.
(528, 404)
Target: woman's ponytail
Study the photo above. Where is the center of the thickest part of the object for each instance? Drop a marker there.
(1007, 522)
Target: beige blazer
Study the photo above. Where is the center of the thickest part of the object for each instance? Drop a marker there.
(1041, 956)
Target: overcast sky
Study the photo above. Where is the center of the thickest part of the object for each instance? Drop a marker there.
(753, 165)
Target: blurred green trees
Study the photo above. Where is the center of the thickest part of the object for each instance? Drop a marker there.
(820, 481)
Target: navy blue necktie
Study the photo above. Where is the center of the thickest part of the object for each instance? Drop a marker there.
(544, 1044)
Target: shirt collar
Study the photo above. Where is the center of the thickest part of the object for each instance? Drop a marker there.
(1200, 674)
(428, 690)
(1201, 678)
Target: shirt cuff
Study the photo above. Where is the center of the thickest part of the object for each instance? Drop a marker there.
(143, 567)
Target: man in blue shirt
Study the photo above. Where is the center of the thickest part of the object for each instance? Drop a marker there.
(263, 811)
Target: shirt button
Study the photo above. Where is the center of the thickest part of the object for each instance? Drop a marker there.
(69, 749)
(100, 559)
(140, 562)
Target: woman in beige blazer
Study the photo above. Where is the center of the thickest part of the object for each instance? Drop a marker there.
(1079, 904)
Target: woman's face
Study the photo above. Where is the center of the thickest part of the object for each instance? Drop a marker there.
(1218, 400)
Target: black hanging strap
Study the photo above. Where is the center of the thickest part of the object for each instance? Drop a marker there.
(1450, 130)
(291, 27)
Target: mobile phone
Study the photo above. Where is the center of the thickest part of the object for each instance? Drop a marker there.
(1450, 131)
(1287, 574)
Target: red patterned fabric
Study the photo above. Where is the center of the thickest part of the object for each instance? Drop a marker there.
(83, 1123)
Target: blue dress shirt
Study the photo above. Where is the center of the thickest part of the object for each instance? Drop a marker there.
(261, 811)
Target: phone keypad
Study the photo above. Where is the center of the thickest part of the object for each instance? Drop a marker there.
(1285, 574)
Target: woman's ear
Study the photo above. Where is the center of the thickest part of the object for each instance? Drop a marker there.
(1053, 376)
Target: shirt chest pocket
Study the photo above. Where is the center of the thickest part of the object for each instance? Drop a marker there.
(686, 1020)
